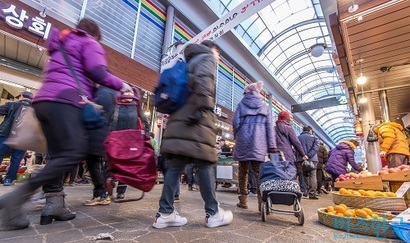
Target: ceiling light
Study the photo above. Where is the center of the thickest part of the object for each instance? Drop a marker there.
(361, 79)
(353, 8)
(147, 113)
(43, 13)
(362, 100)
(317, 49)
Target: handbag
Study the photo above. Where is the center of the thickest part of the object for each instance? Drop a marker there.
(372, 136)
(327, 176)
(276, 168)
(131, 157)
(308, 166)
(91, 115)
(26, 132)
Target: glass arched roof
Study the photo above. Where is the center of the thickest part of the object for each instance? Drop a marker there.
(281, 35)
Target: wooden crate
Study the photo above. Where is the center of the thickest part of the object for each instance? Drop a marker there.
(366, 183)
(397, 176)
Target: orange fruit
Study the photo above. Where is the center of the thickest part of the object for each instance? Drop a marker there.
(343, 191)
(331, 213)
(379, 194)
(391, 194)
(368, 211)
(367, 194)
(340, 214)
(360, 213)
(343, 205)
(340, 209)
(330, 209)
(350, 213)
(361, 191)
(356, 193)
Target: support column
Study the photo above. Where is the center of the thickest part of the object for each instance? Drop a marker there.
(169, 30)
(372, 149)
(384, 106)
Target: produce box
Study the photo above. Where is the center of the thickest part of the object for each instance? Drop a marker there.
(397, 176)
(379, 228)
(376, 203)
(366, 183)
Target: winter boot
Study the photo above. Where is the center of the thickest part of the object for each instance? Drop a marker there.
(55, 209)
(243, 201)
(11, 205)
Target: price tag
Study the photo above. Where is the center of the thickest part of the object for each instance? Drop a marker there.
(403, 189)
(404, 217)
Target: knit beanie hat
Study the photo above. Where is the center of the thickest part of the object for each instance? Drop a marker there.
(283, 116)
(254, 87)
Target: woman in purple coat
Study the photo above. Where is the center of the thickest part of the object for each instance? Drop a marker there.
(339, 157)
(58, 105)
(254, 137)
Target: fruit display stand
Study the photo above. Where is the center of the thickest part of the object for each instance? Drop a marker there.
(395, 180)
(376, 203)
(365, 183)
(358, 225)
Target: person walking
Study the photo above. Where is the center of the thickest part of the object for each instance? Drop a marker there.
(340, 156)
(254, 138)
(322, 156)
(287, 141)
(310, 144)
(10, 111)
(58, 108)
(393, 143)
(190, 137)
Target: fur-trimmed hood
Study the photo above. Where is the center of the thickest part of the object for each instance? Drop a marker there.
(343, 144)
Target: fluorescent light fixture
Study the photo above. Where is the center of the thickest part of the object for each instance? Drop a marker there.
(362, 100)
(11, 84)
(361, 79)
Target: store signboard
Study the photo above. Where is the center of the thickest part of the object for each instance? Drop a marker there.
(224, 24)
(18, 19)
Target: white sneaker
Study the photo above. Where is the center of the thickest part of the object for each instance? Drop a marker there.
(222, 217)
(251, 194)
(162, 221)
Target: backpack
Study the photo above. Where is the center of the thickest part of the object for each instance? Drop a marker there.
(172, 88)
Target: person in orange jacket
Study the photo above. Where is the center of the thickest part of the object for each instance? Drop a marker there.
(393, 143)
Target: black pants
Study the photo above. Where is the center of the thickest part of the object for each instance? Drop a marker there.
(96, 167)
(66, 143)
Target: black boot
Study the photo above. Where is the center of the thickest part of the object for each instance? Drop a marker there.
(11, 204)
(55, 209)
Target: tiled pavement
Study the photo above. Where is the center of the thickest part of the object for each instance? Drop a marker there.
(131, 222)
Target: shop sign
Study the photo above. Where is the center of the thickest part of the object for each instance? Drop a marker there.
(218, 111)
(18, 19)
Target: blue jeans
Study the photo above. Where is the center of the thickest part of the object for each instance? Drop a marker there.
(16, 157)
(206, 174)
(191, 174)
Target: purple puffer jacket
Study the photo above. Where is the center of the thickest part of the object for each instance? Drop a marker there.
(253, 129)
(340, 156)
(286, 138)
(88, 59)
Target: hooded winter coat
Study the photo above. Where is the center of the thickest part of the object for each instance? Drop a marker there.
(10, 111)
(392, 139)
(253, 129)
(191, 130)
(340, 156)
(286, 138)
(88, 59)
(322, 156)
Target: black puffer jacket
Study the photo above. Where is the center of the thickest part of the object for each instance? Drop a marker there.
(322, 155)
(10, 110)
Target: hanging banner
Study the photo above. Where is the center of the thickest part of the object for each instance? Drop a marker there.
(231, 19)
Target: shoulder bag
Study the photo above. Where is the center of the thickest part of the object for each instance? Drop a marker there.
(372, 136)
(277, 168)
(91, 115)
(131, 157)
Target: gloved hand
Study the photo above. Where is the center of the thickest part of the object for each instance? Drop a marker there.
(125, 87)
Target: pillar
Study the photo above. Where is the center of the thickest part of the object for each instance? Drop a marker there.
(384, 106)
(372, 149)
(169, 29)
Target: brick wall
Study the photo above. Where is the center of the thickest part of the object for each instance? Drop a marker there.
(119, 64)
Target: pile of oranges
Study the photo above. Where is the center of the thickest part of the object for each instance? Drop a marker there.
(368, 193)
(343, 211)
